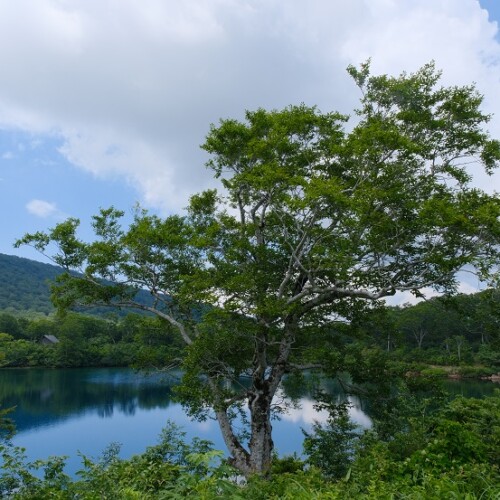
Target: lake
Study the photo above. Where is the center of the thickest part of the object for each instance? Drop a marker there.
(66, 412)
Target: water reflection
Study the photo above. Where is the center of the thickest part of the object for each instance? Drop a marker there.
(45, 397)
(60, 412)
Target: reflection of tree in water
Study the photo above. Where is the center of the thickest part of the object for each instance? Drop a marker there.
(370, 399)
(309, 385)
(128, 407)
(470, 389)
(105, 410)
(45, 396)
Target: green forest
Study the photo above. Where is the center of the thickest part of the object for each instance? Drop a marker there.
(447, 336)
(25, 285)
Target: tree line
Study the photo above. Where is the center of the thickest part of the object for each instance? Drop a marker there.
(86, 341)
(448, 330)
(463, 329)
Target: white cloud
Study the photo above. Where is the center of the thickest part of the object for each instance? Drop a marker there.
(408, 297)
(8, 155)
(306, 413)
(132, 86)
(42, 208)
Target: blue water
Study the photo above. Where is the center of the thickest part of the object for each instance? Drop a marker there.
(82, 411)
(67, 412)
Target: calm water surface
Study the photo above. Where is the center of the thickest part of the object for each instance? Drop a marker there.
(67, 412)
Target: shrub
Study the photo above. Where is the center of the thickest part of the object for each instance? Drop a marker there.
(475, 371)
(434, 372)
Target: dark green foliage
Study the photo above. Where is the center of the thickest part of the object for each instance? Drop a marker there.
(471, 320)
(330, 447)
(10, 325)
(458, 330)
(471, 429)
(25, 285)
(91, 341)
(7, 426)
(489, 355)
(170, 469)
(26, 290)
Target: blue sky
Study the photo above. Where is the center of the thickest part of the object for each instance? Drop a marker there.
(40, 187)
(105, 102)
(493, 8)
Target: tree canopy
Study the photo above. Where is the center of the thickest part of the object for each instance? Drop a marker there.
(319, 217)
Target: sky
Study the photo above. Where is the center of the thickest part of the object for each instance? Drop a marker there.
(106, 102)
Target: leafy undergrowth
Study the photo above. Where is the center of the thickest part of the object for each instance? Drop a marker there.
(452, 454)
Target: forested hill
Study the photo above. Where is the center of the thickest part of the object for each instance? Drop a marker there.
(24, 284)
(25, 288)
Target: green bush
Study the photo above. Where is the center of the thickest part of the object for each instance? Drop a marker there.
(475, 371)
(489, 356)
(434, 372)
(454, 453)
(330, 447)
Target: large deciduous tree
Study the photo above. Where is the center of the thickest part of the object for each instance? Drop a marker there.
(318, 219)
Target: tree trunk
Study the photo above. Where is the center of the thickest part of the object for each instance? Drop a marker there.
(258, 459)
(419, 335)
(447, 347)
(459, 343)
(265, 382)
(261, 443)
(240, 458)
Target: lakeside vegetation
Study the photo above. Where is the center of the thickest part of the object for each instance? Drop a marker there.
(454, 336)
(451, 452)
(419, 447)
(86, 341)
(461, 332)
(283, 271)
(447, 336)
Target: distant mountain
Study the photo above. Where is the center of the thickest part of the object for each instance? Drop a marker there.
(24, 284)
(25, 287)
